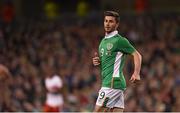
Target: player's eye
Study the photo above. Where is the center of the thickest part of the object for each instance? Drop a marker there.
(111, 21)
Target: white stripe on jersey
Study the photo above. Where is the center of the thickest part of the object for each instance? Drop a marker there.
(117, 64)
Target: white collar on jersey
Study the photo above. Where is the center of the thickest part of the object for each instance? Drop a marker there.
(111, 34)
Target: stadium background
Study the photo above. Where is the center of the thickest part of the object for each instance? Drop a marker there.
(40, 37)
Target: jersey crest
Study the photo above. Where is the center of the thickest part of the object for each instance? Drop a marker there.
(109, 46)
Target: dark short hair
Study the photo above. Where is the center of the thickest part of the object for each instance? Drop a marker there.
(113, 14)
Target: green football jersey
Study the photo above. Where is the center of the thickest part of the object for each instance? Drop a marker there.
(112, 52)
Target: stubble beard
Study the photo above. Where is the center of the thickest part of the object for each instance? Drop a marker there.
(109, 31)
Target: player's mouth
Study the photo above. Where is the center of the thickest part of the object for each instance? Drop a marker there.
(107, 27)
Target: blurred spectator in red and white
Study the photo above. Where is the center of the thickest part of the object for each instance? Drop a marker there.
(54, 99)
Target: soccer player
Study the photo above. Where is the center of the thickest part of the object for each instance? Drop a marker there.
(54, 99)
(113, 50)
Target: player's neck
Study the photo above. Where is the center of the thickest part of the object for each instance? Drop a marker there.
(111, 34)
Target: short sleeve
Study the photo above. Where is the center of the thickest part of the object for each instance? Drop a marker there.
(124, 46)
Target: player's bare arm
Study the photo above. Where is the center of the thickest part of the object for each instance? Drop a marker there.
(137, 66)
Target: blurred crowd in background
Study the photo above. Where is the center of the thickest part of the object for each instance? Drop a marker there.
(32, 50)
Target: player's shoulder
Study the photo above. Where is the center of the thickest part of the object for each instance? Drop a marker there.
(120, 37)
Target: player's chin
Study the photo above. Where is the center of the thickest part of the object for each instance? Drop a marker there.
(107, 29)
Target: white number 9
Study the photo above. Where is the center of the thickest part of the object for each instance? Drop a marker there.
(102, 94)
(102, 51)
